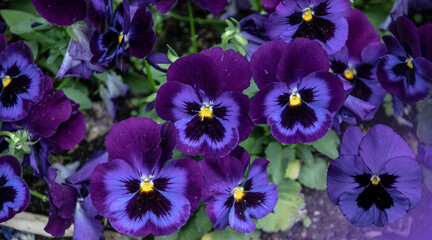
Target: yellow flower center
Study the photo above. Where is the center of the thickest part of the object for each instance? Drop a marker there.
(349, 73)
(294, 100)
(146, 186)
(307, 15)
(120, 38)
(409, 63)
(238, 193)
(375, 180)
(6, 81)
(206, 112)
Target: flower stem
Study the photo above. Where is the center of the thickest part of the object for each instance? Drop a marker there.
(197, 20)
(38, 195)
(150, 76)
(192, 28)
(6, 133)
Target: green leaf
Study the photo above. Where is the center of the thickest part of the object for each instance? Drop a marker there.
(14, 17)
(293, 169)
(229, 233)
(328, 145)
(198, 225)
(304, 153)
(289, 208)
(79, 97)
(279, 159)
(314, 175)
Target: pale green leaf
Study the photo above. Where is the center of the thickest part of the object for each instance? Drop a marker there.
(314, 175)
(328, 145)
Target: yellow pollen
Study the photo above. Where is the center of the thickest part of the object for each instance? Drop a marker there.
(307, 15)
(206, 112)
(238, 193)
(6, 81)
(294, 100)
(349, 74)
(146, 186)
(120, 38)
(375, 180)
(409, 63)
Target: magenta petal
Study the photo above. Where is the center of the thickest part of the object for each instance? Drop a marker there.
(235, 68)
(61, 12)
(264, 62)
(300, 58)
(380, 145)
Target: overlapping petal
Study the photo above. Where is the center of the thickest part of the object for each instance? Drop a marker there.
(61, 12)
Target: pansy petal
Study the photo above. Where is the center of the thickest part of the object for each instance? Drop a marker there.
(300, 58)
(218, 210)
(264, 62)
(165, 6)
(257, 176)
(351, 140)
(341, 172)
(214, 6)
(360, 34)
(142, 38)
(240, 222)
(270, 5)
(86, 224)
(424, 155)
(426, 40)
(393, 46)
(380, 145)
(3, 42)
(424, 69)
(97, 13)
(265, 102)
(401, 206)
(234, 66)
(83, 175)
(198, 71)
(169, 140)
(63, 197)
(135, 140)
(406, 32)
(61, 12)
(409, 178)
(359, 107)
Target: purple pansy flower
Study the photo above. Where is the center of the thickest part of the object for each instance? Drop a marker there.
(14, 192)
(137, 190)
(356, 65)
(76, 62)
(320, 20)
(404, 71)
(252, 28)
(376, 179)
(68, 203)
(410, 8)
(137, 33)
(204, 99)
(298, 96)
(232, 201)
(61, 12)
(270, 5)
(22, 82)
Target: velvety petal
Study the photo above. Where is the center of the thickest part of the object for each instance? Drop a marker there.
(45, 117)
(61, 12)
(424, 68)
(168, 135)
(270, 5)
(235, 68)
(341, 173)
(425, 41)
(39, 158)
(336, 38)
(158, 58)
(136, 141)
(380, 145)
(409, 178)
(220, 176)
(241, 154)
(360, 108)
(15, 195)
(218, 210)
(406, 32)
(277, 26)
(26, 87)
(393, 46)
(351, 140)
(164, 6)
(3, 42)
(97, 13)
(214, 6)
(424, 155)
(300, 58)
(83, 175)
(86, 223)
(264, 62)
(198, 71)
(142, 38)
(360, 34)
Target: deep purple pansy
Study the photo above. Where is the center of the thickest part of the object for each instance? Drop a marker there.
(252, 28)
(270, 5)
(56, 122)
(232, 201)
(376, 179)
(323, 21)
(404, 71)
(204, 99)
(137, 190)
(22, 82)
(124, 36)
(356, 65)
(298, 96)
(14, 192)
(70, 203)
(61, 12)
(413, 9)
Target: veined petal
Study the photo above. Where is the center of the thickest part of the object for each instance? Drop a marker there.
(142, 38)
(86, 224)
(61, 12)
